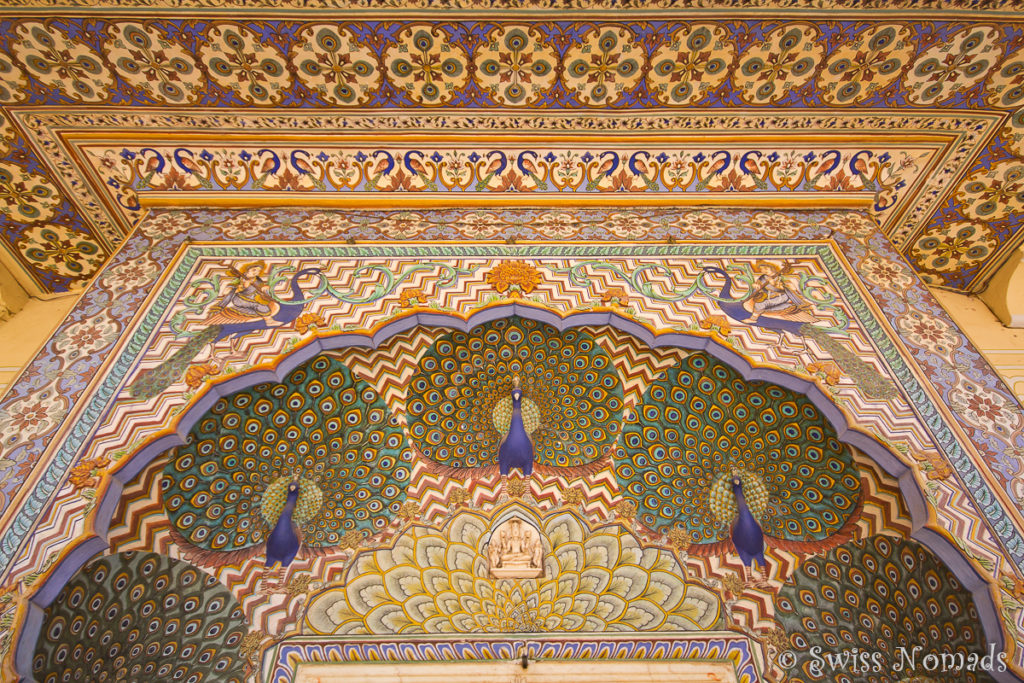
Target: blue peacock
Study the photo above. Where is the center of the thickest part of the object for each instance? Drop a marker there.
(287, 467)
(515, 394)
(737, 465)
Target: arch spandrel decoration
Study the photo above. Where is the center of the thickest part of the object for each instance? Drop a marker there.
(231, 316)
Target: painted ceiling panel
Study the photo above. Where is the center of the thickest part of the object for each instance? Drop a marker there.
(953, 206)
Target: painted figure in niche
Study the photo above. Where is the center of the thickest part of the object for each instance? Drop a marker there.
(246, 304)
(515, 551)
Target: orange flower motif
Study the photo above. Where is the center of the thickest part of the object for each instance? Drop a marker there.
(514, 277)
(86, 474)
(718, 322)
(411, 297)
(308, 321)
(197, 374)
(615, 295)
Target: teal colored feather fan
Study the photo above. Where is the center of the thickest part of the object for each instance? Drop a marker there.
(225, 488)
(460, 399)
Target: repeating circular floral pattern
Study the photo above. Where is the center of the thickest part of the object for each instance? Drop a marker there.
(426, 65)
(69, 65)
(60, 249)
(952, 66)
(12, 81)
(517, 66)
(159, 67)
(867, 64)
(26, 196)
(783, 61)
(606, 63)
(993, 193)
(330, 61)
(237, 60)
(1005, 85)
(953, 247)
(694, 62)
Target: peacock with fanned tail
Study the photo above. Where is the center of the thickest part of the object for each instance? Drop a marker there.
(737, 465)
(515, 394)
(288, 468)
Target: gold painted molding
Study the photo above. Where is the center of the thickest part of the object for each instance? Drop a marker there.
(435, 200)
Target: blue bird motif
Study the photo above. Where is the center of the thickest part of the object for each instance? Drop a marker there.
(516, 449)
(283, 542)
(747, 536)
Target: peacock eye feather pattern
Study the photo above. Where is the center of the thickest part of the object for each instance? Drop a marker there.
(141, 617)
(460, 402)
(701, 427)
(886, 596)
(227, 487)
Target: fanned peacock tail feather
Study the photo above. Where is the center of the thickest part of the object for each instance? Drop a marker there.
(149, 383)
(460, 403)
(879, 595)
(700, 423)
(869, 380)
(141, 617)
(225, 488)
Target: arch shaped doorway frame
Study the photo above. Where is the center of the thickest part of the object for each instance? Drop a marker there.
(86, 548)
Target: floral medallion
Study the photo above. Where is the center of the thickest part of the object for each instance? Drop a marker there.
(26, 196)
(990, 194)
(426, 65)
(950, 67)
(331, 62)
(985, 408)
(603, 66)
(517, 66)
(86, 336)
(61, 250)
(783, 61)
(931, 333)
(56, 60)
(237, 60)
(12, 81)
(1005, 86)
(693, 63)
(886, 273)
(156, 65)
(132, 274)
(866, 64)
(949, 248)
(1013, 132)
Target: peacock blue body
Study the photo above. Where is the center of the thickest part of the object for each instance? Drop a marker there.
(460, 399)
(700, 424)
(226, 488)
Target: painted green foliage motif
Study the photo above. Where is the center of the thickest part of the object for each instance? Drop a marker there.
(460, 397)
(883, 595)
(700, 423)
(225, 488)
(141, 617)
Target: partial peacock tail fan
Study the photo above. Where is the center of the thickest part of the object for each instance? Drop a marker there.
(700, 424)
(460, 398)
(887, 596)
(226, 487)
(141, 617)
(153, 382)
(869, 380)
